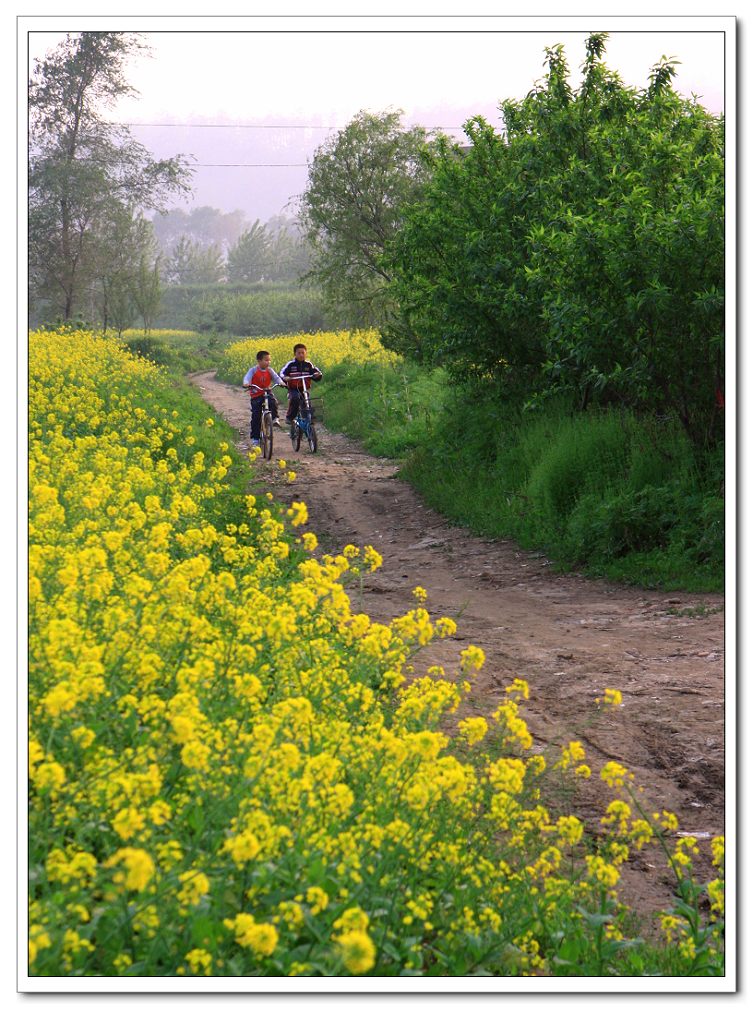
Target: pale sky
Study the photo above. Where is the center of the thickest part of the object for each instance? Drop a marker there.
(246, 74)
(323, 78)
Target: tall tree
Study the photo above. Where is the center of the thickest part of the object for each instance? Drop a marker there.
(126, 240)
(359, 182)
(146, 290)
(81, 166)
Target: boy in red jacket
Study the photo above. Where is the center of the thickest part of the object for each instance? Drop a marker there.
(258, 379)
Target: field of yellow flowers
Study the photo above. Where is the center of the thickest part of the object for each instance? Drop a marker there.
(233, 774)
(325, 349)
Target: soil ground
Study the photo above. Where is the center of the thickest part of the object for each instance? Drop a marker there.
(568, 636)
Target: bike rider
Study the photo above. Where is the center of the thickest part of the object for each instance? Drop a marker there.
(296, 375)
(258, 379)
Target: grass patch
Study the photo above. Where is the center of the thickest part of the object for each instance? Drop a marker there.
(242, 309)
(392, 409)
(180, 351)
(605, 492)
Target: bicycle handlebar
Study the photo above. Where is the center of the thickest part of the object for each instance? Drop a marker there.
(305, 376)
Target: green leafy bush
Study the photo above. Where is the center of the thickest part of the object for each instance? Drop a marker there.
(578, 249)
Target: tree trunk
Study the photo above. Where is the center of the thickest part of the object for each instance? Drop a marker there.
(66, 246)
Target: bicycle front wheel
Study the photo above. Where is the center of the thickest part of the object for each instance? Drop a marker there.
(313, 441)
(266, 435)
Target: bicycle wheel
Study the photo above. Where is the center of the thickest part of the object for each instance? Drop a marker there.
(266, 435)
(297, 438)
(312, 438)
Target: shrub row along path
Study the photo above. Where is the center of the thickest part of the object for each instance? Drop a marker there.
(570, 637)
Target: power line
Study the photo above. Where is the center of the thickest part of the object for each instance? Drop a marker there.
(248, 165)
(315, 127)
(149, 124)
(100, 163)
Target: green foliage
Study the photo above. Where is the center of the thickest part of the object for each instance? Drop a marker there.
(579, 250)
(288, 255)
(194, 242)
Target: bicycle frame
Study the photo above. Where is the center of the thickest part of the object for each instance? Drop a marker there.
(266, 431)
(305, 418)
(303, 425)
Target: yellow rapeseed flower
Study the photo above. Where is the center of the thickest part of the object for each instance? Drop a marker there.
(611, 698)
(518, 686)
(570, 829)
(195, 884)
(716, 895)
(602, 871)
(317, 899)
(128, 822)
(135, 868)
(298, 512)
(200, 961)
(717, 849)
(472, 658)
(122, 962)
(262, 939)
(614, 774)
(357, 951)
(473, 730)
(242, 847)
(445, 627)
(352, 920)
(371, 558)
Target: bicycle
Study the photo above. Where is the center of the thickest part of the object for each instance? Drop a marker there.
(266, 432)
(303, 424)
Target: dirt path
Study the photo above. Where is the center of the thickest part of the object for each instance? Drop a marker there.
(568, 636)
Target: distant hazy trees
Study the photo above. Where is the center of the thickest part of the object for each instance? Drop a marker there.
(288, 255)
(190, 263)
(216, 247)
(203, 225)
(90, 183)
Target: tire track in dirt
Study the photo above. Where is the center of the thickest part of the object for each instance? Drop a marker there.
(569, 636)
